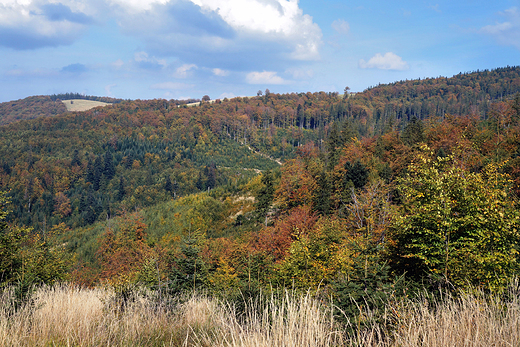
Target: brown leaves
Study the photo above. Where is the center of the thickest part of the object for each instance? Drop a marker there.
(277, 239)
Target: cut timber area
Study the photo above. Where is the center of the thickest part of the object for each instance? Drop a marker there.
(82, 105)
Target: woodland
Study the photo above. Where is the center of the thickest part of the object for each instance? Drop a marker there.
(360, 198)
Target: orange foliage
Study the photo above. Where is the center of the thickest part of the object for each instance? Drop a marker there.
(276, 240)
(121, 253)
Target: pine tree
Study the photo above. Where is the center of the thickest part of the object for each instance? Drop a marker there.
(264, 197)
(98, 172)
(109, 169)
(211, 173)
(168, 185)
(333, 147)
(322, 200)
(413, 132)
(189, 271)
(121, 190)
(75, 159)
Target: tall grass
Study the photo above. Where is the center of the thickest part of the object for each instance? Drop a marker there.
(289, 320)
(69, 316)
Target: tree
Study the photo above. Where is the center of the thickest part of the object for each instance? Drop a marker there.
(206, 98)
(75, 159)
(123, 249)
(188, 271)
(265, 196)
(456, 226)
(109, 169)
(210, 171)
(121, 189)
(27, 258)
(346, 92)
(98, 172)
(357, 174)
(413, 132)
(168, 184)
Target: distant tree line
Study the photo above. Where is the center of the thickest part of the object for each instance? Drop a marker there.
(69, 96)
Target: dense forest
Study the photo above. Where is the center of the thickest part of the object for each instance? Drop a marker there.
(365, 195)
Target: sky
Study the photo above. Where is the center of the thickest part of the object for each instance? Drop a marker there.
(180, 49)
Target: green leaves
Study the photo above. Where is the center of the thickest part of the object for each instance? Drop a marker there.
(456, 224)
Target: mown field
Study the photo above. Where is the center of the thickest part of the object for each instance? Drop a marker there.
(82, 105)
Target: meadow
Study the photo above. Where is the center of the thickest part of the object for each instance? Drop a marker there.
(66, 315)
(82, 105)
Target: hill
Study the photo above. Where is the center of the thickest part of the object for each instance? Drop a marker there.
(29, 108)
(154, 179)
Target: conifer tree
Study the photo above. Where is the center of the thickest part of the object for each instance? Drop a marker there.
(168, 184)
(265, 197)
(121, 189)
(75, 159)
(413, 132)
(109, 170)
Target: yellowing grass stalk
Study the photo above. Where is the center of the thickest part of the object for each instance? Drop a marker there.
(289, 321)
(68, 316)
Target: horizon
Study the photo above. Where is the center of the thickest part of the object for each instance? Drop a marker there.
(184, 49)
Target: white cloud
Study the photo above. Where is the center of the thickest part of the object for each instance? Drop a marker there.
(118, 64)
(389, 61)
(341, 26)
(220, 72)
(146, 61)
(228, 95)
(300, 73)
(108, 89)
(276, 19)
(265, 77)
(33, 24)
(507, 32)
(138, 5)
(184, 70)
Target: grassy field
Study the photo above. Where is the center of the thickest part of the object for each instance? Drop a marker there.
(69, 316)
(82, 105)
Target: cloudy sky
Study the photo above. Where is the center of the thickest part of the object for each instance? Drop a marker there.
(176, 49)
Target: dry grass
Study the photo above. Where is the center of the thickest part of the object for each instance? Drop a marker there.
(82, 105)
(292, 320)
(68, 316)
(468, 320)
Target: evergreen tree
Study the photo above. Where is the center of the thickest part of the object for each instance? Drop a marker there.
(413, 132)
(322, 200)
(90, 171)
(121, 190)
(211, 173)
(333, 147)
(264, 197)
(98, 172)
(348, 133)
(109, 169)
(359, 175)
(189, 271)
(200, 182)
(92, 209)
(168, 186)
(75, 159)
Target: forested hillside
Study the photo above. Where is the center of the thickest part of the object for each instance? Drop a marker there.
(405, 185)
(29, 108)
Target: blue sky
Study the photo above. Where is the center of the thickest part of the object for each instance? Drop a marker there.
(176, 49)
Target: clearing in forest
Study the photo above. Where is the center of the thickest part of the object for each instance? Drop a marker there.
(82, 105)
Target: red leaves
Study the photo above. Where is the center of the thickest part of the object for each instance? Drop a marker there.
(277, 239)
